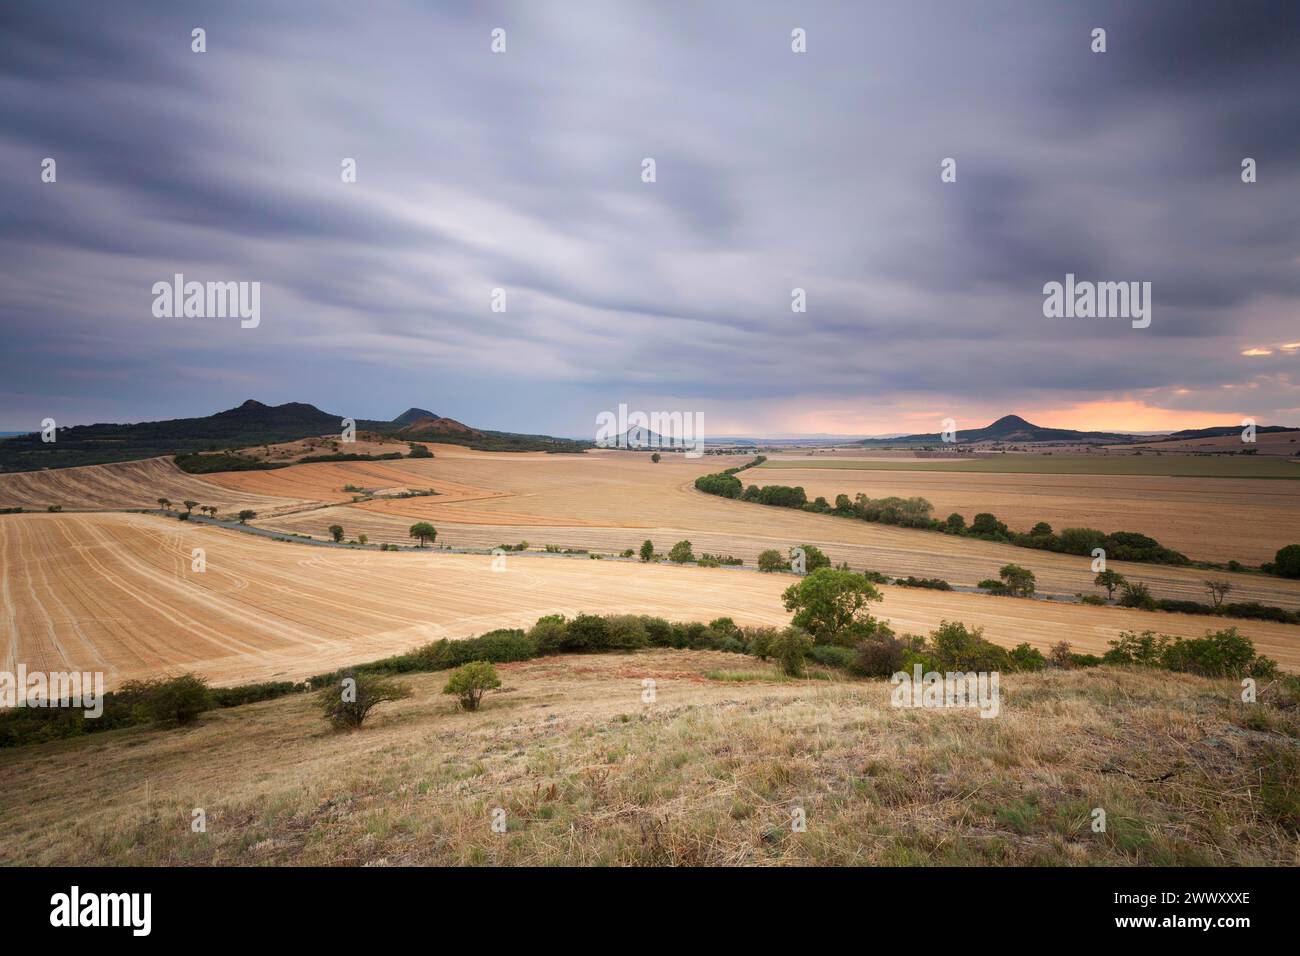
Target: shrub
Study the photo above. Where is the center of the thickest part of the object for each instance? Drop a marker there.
(252, 693)
(782, 496)
(992, 585)
(1061, 656)
(814, 558)
(625, 632)
(883, 655)
(168, 701)
(681, 552)
(934, 584)
(875, 577)
(469, 681)
(1026, 658)
(727, 486)
(1141, 650)
(587, 633)
(647, 550)
(772, 560)
(500, 646)
(1080, 540)
(1137, 595)
(348, 703)
(829, 655)
(987, 525)
(758, 641)
(1223, 653)
(959, 648)
(955, 523)
(789, 647)
(549, 634)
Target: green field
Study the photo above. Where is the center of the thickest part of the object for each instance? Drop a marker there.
(1181, 466)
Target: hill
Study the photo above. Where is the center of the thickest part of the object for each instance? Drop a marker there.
(708, 771)
(1008, 428)
(251, 423)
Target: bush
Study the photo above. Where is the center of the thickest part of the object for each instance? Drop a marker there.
(348, 703)
(883, 655)
(647, 550)
(1061, 656)
(789, 647)
(772, 560)
(252, 693)
(681, 552)
(1080, 540)
(1026, 658)
(814, 558)
(875, 577)
(727, 486)
(829, 655)
(782, 496)
(625, 632)
(758, 641)
(827, 601)
(1140, 650)
(500, 646)
(469, 681)
(168, 701)
(1137, 595)
(1223, 653)
(958, 648)
(987, 525)
(587, 633)
(934, 584)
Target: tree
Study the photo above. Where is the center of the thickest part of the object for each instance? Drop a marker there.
(246, 516)
(1018, 581)
(647, 550)
(1286, 563)
(814, 558)
(1218, 590)
(423, 531)
(681, 552)
(347, 704)
(772, 560)
(336, 532)
(655, 458)
(190, 505)
(956, 524)
(469, 681)
(164, 503)
(827, 602)
(363, 539)
(168, 701)
(1110, 580)
(988, 524)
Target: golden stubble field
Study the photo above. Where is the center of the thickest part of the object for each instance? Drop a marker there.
(117, 593)
(1210, 519)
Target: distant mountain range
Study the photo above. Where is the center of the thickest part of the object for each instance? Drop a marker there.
(252, 423)
(1012, 429)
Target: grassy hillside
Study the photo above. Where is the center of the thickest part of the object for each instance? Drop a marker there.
(709, 773)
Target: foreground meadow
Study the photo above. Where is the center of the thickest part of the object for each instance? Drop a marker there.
(580, 769)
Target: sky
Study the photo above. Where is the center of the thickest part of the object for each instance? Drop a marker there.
(774, 170)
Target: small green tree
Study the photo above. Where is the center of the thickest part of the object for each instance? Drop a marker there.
(469, 681)
(1018, 581)
(790, 647)
(1138, 595)
(336, 532)
(772, 560)
(814, 558)
(246, 516)
(827, 602)
(190, 505)
(1110, 580)
(164, 503)
(647, 550)
(681, 552)
(655, 458)
(168, 701)
(348, 703)
(423, 531)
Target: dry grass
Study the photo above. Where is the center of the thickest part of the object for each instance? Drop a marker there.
(710, 773)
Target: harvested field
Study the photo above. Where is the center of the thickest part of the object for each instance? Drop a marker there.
(587, 773)
(1210, 519)
(115, 592)
(1100, 463)
(131, 484)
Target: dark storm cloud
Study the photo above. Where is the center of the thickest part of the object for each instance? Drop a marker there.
(522, 171)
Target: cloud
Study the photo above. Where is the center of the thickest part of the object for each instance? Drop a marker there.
(522, 171)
